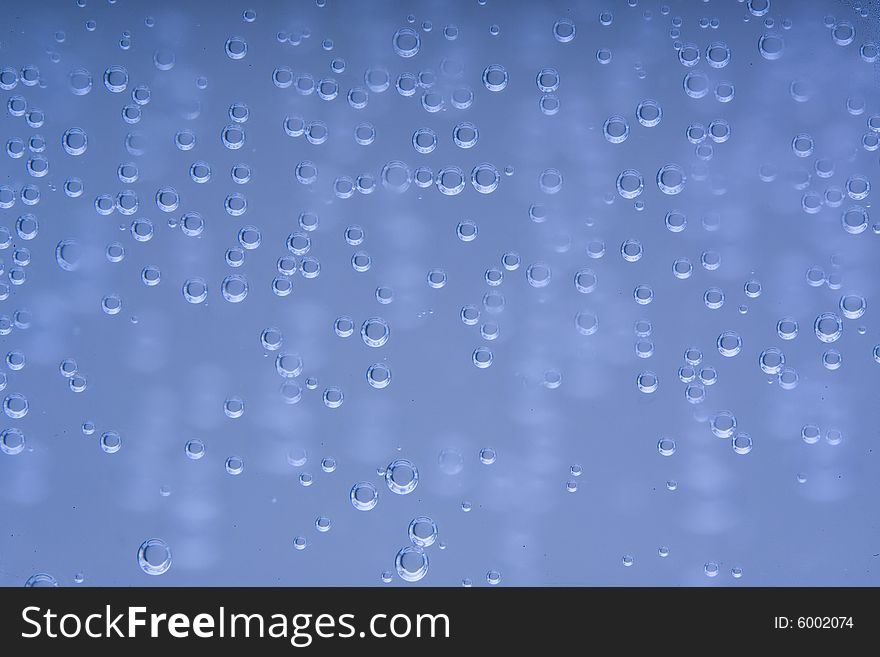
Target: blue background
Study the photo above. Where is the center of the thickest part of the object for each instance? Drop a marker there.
(158, 372)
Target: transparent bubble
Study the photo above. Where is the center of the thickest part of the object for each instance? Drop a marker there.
(422, 531)
(631, 250)
(647, 382)
(771, 46)
(852, 305)
(482, 357)
(396, 177)
(810, 434)
(74, 141)
(154, 556)
(630, 184)
(436, 278)
(615, 129)
(671, 179)
(689, 55)
(233, 136)
(401, 476)
(111, 442)
(111, 304)
(234, 465)
(378, 375)
(116, 78)
(333, 397)
(406, 42)
(564, 30)
(682, 268)
(771, 360)
(788, 378)
(855, 220)
(696, 84)
(718, 54)
(194, 449)
(195, 290)
(538, 274)
(484, 178)
(495, 77)
(643, 294)
(649, 113)
(585, 281)
(586, 323)
(828, 327)
(729, 344)
(742, 443)
(470, 315)
(12, 441)
(723, 424)
(666, 446)
(832, 359)
(713, 297)
(364, 496)
(411, 564)
(41, 580)
(288, 365)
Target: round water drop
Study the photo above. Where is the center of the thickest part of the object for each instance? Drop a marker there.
(195, 290)
(401, 477)
(333, 397)
(12, 441)
(729, 344)
(852, 305)
(234, 288)
(236, 48)
(194, 449)
(422, 531)
(406, 42)
(723, 424)
(564, 30)
(378, 375)
(233, 407)
(495, 77)
(41, 580)
(831, 359)
(586, 323)
(742, 443)
(375, 332)
(615, 129)
(482, 357)
(771, 46)
(411, 564)
(154, 556)
(364, 496)
(585, 281)
(234, 465)
(74, 141)
(828, 327)
(771, 360)
(630, 184)
(649, 113)
(671, 179)
(116, 79)
(538, 274)
(666, 446)
(647, 382)
(485, 178)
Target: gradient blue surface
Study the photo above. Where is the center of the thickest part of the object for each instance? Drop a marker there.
(559, 463)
